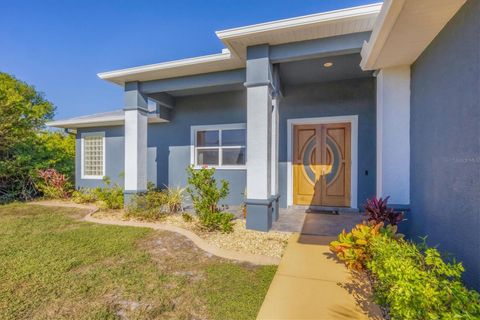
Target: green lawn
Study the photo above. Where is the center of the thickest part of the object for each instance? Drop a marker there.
(54, 266)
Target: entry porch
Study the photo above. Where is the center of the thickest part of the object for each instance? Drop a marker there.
(319, 131)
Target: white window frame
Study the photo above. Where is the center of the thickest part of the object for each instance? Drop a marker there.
(82, 158)
(219, 128)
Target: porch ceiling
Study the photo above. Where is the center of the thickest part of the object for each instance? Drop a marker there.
(313, 70)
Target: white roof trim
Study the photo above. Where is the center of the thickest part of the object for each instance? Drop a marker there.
(233, 57)
(224, 55)
(383, 26)
(404, 29)
(100, 121)
(300, 21)
(87, 122)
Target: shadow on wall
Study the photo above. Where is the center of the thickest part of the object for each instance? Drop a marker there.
(179, 160)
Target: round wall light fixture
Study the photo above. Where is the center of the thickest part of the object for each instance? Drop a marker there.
(328, 64)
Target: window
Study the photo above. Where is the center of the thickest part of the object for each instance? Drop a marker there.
(93, 155)
(222, 146)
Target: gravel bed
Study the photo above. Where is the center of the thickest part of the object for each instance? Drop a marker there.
(270, 243)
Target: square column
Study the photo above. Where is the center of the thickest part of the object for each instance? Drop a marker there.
(393, 135)
(259, 138)
(136, 123)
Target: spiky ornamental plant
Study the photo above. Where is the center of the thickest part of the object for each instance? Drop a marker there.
(378, 211)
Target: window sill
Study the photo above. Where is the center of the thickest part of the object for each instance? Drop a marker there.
(92, 177)
(221, 167)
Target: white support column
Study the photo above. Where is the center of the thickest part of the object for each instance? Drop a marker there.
(135, 151)
(259, 112)
(136, 125)
(259, 138)
(274, 156)
(393, 134)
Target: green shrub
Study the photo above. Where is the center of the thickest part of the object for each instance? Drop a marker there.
(217, 221)
(109, 197)
(25, 147)
(187, 217)
(419, 285)
(84, 195)
(206, 196)
(147, 206)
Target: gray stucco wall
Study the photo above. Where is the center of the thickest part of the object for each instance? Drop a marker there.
(169, 143)
(114, 157)
(347, 97)
(445, 141)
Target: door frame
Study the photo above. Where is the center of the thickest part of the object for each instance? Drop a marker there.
(353, 120)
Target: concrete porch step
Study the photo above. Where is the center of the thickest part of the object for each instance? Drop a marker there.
(323, 208)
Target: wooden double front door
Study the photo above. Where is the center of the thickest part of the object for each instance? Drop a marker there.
(321, 164)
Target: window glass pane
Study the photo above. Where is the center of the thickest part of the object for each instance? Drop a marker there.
(207, 139)
(93, 156)
(233, 137)
(233, 156)
(207, 157)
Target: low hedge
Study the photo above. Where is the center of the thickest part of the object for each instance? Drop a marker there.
(410, 281)
(414, 282)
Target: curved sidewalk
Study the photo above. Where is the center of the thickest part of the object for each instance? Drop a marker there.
(199, 242)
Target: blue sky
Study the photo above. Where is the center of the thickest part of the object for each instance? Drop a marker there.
(60, 46)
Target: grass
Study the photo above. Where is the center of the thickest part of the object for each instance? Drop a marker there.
(54, 266)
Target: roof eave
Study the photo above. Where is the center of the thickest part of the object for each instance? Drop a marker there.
(401, 33)
(341, 14)
(116, 75)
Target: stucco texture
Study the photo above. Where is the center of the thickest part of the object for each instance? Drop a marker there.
(445, 142)
(114, 156)
(339, 98)
(169, 143)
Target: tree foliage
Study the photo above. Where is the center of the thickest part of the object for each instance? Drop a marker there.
(25, 147)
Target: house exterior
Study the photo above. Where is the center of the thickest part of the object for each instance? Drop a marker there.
(324, 110)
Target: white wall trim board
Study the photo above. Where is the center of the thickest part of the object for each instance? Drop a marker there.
(393, 134)
(275, 147)
(213, 127)
(82, 154)
(353, 120)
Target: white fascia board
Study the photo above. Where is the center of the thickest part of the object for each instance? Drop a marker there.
(111, 75)
(342, 14)
(83, 123)
(99, 122)
(383, 26)
(404, 29)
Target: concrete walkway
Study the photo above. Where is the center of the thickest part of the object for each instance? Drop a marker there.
(311, 284)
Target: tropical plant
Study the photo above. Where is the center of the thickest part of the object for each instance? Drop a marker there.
(378, 211)
(352, 247)
(53, 184)
(416, 284)
(206, 196)
(174, 198)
